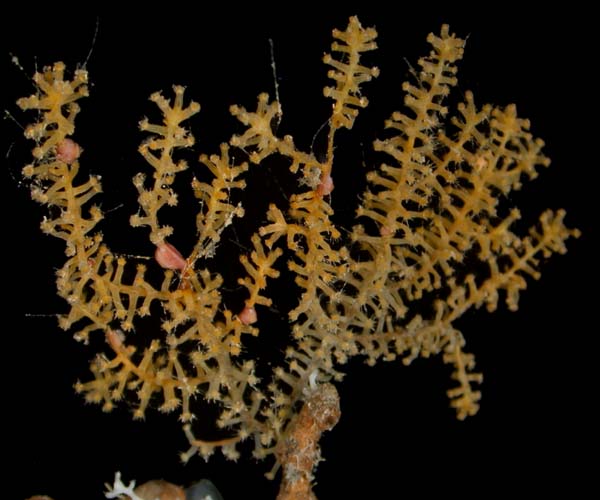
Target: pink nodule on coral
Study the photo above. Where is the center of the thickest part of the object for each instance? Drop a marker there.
(169, 257)
(248, 315)
(68, 151)
(115, 339)
(326, 186)
(386, 231)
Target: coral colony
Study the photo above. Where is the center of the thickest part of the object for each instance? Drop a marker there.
(391, 286)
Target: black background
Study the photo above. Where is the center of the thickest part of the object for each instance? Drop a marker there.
(397, 434)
